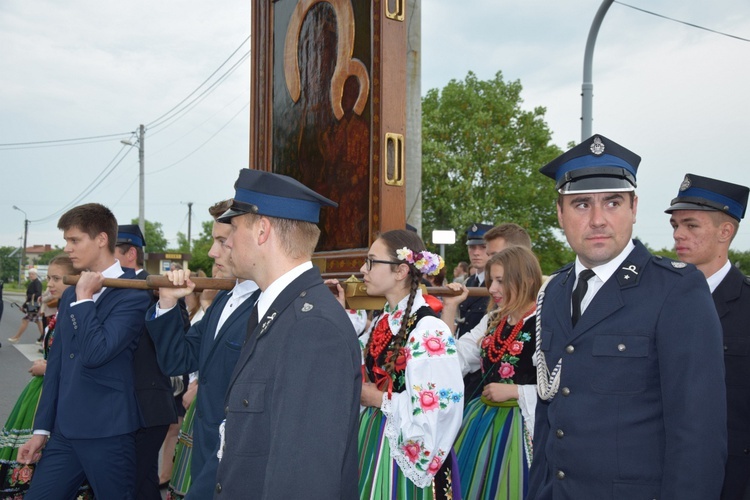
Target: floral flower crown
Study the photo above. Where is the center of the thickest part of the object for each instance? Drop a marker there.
(425, 262)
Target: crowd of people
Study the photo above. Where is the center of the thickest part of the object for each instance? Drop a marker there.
(621, 375)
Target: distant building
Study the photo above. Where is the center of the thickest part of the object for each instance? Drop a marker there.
(34, 252)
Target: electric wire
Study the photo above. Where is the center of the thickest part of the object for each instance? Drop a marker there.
(683, 22)
(189, 106)
(153, 123)
(113, 164)
(203, 144)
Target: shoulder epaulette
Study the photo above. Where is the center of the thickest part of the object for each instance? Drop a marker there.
(563, 268)
(673, 265)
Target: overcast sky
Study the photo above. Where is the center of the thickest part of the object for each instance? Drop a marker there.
(674, 94)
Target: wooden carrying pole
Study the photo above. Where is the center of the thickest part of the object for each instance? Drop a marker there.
(356, 292)
(154, 282)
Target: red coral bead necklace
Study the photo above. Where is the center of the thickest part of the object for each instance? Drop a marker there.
(499, 346)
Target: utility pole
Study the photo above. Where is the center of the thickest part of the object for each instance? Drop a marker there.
(142, 182)
(141, 176)
(23, 249)
(190, 220)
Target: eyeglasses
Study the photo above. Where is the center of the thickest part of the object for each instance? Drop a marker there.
(369, 262)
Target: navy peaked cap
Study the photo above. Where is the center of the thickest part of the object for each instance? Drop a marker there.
(130, 234)
(704, 193)
(597, 165)
(274, 195)
(475, 233)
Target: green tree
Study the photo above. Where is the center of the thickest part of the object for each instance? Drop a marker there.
(156, 242)
(45, 257)
(9, 265)
(201, 246)
(481, 153)
(741, 260)
(183, 245)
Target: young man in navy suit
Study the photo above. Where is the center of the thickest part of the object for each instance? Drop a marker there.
(88, 414)
(629, 352)
(211, 347)
(706, 216)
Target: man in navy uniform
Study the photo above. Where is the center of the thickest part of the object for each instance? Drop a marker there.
(705, 218)
(211, 346)
(629, 352)
(88, 415)
(153, 389)
(293, 399)
(472, 309)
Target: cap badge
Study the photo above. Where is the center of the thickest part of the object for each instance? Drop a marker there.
(597, 147)
(685, 184)
(307, 307)
(474, 228)
(678, 265)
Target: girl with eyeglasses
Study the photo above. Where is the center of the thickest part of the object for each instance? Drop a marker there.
(412, 390)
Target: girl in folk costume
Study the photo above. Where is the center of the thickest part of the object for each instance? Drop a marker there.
(15, 477)
(412, 390)
(494, 443)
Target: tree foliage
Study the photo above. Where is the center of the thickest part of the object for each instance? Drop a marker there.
(45, 257)
(183, 245)
(156, 242)
(201, 246)
(9, 265)
(481, 153)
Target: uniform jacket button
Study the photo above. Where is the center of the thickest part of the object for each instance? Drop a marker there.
(72, 356)
(621, 347)
(570, 349)
(565, 391)
(218, 487)
(226, 410)
(245, 402)
(559, 433)
(560, 474)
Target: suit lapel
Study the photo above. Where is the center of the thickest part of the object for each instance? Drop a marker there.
(233, 318)
(265, 324)
(609, 298)
(728, 291)
(102, 303)
(559, 307)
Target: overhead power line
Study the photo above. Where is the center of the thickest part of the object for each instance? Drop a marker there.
(190, 105)
(161, 118)
(61, 142)
(113, 164)
(204, 143)
(683, 22)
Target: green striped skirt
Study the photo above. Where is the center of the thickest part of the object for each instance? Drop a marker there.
(492, 449)
(380, 478)
(180, 482)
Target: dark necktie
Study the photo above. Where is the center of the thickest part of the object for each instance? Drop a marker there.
(580, 292)
(252, 323)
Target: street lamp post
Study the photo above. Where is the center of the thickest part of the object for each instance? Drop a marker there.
(25, 234)
(141, 180)
(587, 88)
